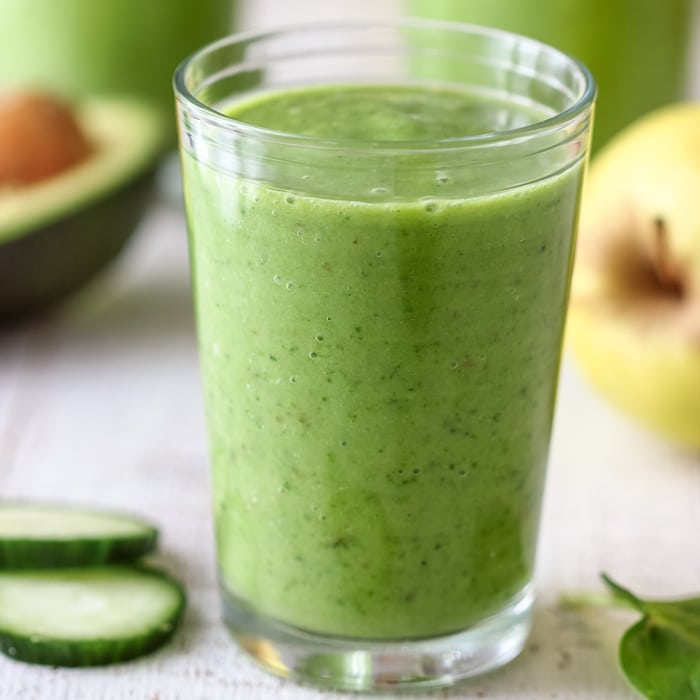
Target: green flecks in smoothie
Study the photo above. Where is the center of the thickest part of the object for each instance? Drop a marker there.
(406, 502)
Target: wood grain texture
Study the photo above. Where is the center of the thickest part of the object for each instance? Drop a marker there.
(100, 404)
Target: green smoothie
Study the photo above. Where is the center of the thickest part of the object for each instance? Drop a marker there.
(637, 50)
(379, 370)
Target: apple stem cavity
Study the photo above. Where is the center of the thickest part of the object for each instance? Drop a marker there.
(667, 274)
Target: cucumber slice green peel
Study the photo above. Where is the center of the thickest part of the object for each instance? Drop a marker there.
(49, 536)
(87, 616)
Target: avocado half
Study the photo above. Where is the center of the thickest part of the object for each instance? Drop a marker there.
(57, 234)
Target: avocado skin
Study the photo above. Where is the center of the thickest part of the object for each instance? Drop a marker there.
(43, 266)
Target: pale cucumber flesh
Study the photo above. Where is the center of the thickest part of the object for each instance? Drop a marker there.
(87, 616)
(45, 535)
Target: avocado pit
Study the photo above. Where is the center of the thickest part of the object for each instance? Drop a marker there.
(40, 137)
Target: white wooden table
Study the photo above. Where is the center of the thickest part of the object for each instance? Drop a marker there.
(100, 404)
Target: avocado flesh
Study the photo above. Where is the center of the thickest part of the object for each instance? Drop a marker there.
(57, 234)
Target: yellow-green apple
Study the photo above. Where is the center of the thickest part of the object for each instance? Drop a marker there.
(634, 319)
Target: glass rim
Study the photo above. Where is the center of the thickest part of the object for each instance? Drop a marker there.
(582, 103)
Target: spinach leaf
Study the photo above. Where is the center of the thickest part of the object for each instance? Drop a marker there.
(660, 654)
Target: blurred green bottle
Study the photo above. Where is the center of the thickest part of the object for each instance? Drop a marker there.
(637, 50)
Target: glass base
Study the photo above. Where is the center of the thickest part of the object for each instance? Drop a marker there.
(375, 666)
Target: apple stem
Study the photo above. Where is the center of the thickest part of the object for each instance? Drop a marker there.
(666, 272)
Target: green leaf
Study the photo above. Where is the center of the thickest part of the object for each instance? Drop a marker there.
(660, 654)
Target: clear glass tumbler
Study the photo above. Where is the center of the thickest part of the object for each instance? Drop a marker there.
(380, 317)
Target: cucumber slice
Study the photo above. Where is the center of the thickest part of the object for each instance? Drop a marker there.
(44, 535)
(87, 617)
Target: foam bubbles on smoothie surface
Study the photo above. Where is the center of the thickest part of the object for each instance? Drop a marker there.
(383, 113)
(378, 113)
